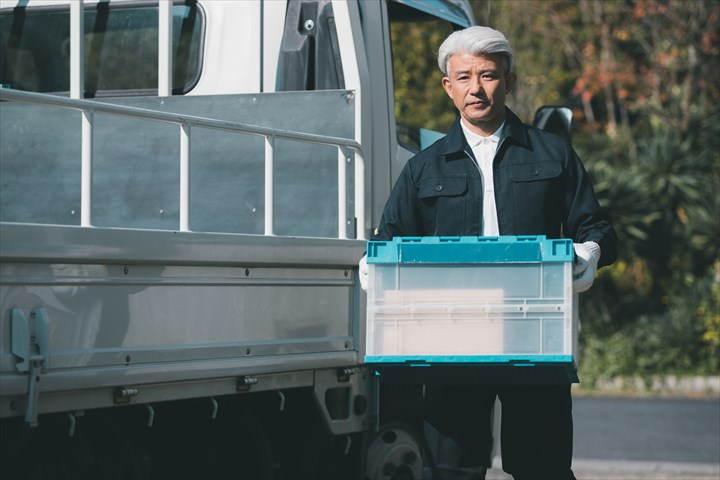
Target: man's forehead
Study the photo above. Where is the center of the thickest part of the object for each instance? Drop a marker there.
(491, 57)
(468, 61)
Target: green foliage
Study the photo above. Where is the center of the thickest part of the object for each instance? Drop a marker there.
(420, 100)
(709, 311)
(656, 310)
(665, 194)
(683, 340)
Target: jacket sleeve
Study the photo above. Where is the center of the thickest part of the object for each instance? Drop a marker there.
(585, 219)
(401, 216)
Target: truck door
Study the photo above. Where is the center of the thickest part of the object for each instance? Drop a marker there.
(309, 53)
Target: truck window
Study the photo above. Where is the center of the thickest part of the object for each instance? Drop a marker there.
(121, 49)
(415, 39)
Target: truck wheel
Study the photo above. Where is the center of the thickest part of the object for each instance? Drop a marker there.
(394, 453)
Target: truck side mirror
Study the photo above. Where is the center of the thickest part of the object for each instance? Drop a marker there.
(555, 119)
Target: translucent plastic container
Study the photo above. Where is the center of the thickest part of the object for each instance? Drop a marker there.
(483, 301)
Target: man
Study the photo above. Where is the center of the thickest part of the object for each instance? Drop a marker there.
(493, 175)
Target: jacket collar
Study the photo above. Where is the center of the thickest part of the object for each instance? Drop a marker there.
(455, 142)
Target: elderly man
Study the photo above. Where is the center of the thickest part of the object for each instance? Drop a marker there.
(493, 175)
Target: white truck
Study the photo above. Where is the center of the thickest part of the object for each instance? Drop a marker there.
(185, 191)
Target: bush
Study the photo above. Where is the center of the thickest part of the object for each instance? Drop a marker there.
(683, 340)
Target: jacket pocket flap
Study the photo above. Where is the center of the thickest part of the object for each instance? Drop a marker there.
(528, 172)
(443, 187)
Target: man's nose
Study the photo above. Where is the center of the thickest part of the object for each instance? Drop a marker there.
(475, 85)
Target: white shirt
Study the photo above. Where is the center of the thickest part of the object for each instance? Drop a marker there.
(484, 149)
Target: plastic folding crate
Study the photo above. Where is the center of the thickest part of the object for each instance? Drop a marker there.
(472, 310)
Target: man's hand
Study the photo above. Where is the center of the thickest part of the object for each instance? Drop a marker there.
(587, 257)
(363, 272)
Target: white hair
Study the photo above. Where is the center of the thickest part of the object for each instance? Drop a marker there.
(475, 41)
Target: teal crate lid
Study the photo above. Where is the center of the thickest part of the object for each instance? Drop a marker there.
(502, 249)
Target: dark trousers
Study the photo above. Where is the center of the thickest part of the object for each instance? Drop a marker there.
(536, 426)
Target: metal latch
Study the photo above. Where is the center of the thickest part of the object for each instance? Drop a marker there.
(30, 343)
(244, 383)
(123, 394)
(344, 374)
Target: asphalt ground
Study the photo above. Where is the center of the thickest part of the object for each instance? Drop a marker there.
(652, 438)
(591, 469)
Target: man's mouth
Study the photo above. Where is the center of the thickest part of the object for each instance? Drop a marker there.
(478, 104)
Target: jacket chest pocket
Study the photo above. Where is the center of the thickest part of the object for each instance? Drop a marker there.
(444, 199)
(536, 191)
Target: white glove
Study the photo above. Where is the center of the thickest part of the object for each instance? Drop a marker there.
(363, 272)
(587, 257)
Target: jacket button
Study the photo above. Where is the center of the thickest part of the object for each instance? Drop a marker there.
(535, 173)
(438, 188)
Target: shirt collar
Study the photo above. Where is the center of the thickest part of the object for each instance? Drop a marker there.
(474, 139)
(455, 142)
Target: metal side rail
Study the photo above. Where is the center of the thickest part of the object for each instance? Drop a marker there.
(185, 124)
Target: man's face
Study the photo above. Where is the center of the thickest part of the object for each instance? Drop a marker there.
(478, 86)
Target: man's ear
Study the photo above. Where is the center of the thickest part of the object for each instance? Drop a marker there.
(510, 81)
(447, 86)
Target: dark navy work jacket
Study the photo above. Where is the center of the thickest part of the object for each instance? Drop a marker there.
(541, 188)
